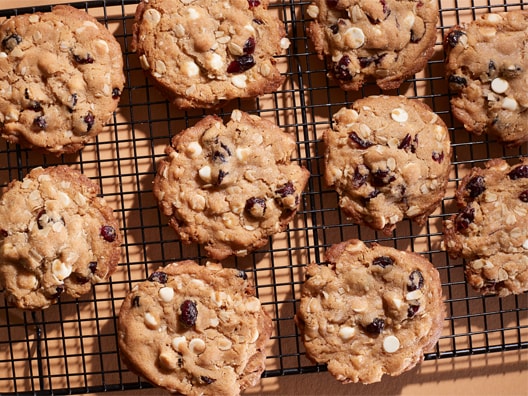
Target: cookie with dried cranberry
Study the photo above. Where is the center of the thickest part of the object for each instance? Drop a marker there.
(230, 186)
(370, 310)
(195, 330)
(203, 53)
(57, 237)
(489, 73)
(386, 40)
(61, 76)
(388, 158)
(489, 231)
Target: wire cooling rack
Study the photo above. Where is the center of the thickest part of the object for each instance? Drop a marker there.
(71, 348)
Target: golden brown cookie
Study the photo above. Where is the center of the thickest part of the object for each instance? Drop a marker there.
(388, 157)
(382, 40)
(370, 310)
(57, 237)
(230, 186)
(195, 330)
(61, 77)
(489, 231)
(203, 53)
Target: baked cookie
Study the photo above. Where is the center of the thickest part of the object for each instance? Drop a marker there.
(195, 330)
(203, 53)
(57, 237)
(386, 41)
(388, 157)
(61, 76)
(229, 187)
(489, 231)
(487, 67)
(369, 311)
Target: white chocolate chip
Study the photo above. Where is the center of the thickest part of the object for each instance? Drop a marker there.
(190, 69)
(399, 115)
(178, 343)
(391, 344)
(152, 16)
(205, 173)
(346, 333)
(413, 295)
(194, 149)
(150, 321)
(525, 244)
(354, 37)
(197, 345)
(224, 344)
(33, 18)
(236, 115)
(285, 43)
(167, 360)
(60, 269)
(214, 61)
(312, 11)
(242, 153)
(510, 104)
(499, 85)
(413, 211)
(239, 81)
(192, 14)
(493, 18)
(166, 293)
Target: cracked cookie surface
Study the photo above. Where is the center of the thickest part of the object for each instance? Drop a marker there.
(196, 330)
(57, 237)
(230, 186)
(203, 53)
(386, 40)
(489, 231)
(388, 158)
(369, 311)
(61, 77)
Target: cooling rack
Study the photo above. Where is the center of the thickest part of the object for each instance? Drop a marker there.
(70, 348)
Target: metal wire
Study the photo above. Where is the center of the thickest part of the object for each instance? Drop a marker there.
(71, 348)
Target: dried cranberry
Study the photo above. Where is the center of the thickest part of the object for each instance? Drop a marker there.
(464, 218)
(35, 105)
(83, 60)
(249, 46)
(58, 291)
(253, 3)
(81, 280)
(362, 143)
(521, 172)
(255, 206)
(242, 274)
(359, 179)
(438, 157)
(40, 122)
(286, 189)
(376, 327)
(4, 233)
(411, 311)
(457, 82)
(135, 301)
(416, 281)
(454, 37)
(415, 38)
(89, 119)
(73, 100)
(258, 21)
(371, 195)
(41, 223)
(93, 266)
(10, 42)
(108, 233)
(383, 261)
(158, 276)
(476, 186)
(116, 93)
(207, 380)
(341, 71)
(524, 196)
(381, 178)
(414, 145)
(332, 3)
(365, 61)
(189, 313)
(492, 67)
(221, 176)
(405, 143)
(241, 64)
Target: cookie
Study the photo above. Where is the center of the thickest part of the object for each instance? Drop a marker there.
(195, 330)
(488, 71)
(230, 186)
(388, 157)
(369, 311)
(61, 76)
(489, 231)
(203, 53)
(386, 41)
(57, 237)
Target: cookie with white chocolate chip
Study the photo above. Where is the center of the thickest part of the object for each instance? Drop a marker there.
(195, 330)
(57, 237)
(369, 311)
(203, 53)
(386, 40)
(488, 70)
(489, 231)
(388, 158)
(61, 77)
(230, 186)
